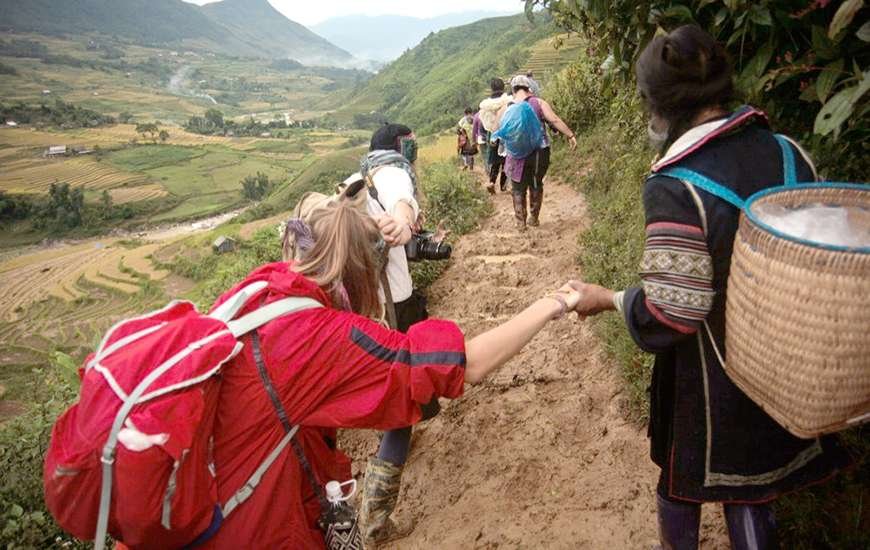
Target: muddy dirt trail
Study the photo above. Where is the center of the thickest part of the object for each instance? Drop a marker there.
(541, 454)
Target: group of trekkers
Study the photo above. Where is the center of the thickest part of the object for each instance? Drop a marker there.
(370, 358)
(504, 157)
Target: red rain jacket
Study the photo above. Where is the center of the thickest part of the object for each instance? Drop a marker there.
(332, 369)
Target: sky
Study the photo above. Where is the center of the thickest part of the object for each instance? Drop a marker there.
(311, 12)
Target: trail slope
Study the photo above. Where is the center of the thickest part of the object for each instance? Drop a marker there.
(541, 454)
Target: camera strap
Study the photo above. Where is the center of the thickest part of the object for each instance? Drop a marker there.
(389, 305)
(373, 191)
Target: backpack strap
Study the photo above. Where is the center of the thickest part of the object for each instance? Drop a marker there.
(263, 315)
(227, 310)
(285, 420)
(259, 318)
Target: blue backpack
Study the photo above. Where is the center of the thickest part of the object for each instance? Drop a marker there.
(520, 131)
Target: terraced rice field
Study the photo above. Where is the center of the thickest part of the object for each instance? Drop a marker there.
(546, 60)
(30, 278)
(123, 133)
(123, 195)
(37, 175)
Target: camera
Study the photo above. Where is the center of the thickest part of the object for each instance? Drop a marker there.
(422, 247)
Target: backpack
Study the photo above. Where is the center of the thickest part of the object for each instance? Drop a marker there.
(521, 131)
(462, 140)
(489, 109)
(156, 374)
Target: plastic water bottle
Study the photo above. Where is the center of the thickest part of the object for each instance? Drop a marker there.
(339, 521)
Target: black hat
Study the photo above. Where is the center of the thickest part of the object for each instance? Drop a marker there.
(387, 137)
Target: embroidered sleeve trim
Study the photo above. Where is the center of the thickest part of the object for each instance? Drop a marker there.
(677, 275)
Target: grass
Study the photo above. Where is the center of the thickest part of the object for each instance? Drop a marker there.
(201, 205)
(150, 157)
(610, 173)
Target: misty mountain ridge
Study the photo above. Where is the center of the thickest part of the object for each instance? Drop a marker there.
(386, 37)
(245, 28)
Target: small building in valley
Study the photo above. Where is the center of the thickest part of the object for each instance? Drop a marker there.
(11, 123)
(55, 150)
(224, 244)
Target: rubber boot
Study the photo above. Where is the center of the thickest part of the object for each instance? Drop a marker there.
(520, 209)
(380, 494)
(536, 199)
(679, 524)
(503, 181)
(751, 527)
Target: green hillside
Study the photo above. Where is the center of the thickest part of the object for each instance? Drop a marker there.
(250, 28)
(429, 85)
(259, 25)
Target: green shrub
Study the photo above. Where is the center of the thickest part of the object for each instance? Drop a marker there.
(804, 63)
(24, 520)
(455, 198)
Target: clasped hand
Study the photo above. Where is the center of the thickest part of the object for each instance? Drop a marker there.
(592, 300)
(585, 299)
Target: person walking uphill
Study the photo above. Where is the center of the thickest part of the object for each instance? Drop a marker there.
(466, 145)
(488, 117)
(712, 443)
(392, 200)
(527, 168)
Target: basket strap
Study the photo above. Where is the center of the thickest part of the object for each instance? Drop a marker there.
(789, 168)
(705, 183)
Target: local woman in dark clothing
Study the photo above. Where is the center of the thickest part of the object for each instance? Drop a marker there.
(712, 443)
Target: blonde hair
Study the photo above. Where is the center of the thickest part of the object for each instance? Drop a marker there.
(343, 256)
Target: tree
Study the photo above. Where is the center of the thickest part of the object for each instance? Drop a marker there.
(63, 209)
(215, 117)
(255, 188)
(149, 130)
(164, 135)
(807, 62)
(125, 118)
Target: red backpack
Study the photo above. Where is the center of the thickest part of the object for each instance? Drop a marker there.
(151, 387)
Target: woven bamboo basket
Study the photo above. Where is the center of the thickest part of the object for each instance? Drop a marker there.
(798, 318)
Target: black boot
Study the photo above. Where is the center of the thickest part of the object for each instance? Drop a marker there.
(536, 199)
(751, 527)
(679, 523)
(520, 209)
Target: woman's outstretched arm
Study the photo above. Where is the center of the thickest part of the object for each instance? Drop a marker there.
(488, 351)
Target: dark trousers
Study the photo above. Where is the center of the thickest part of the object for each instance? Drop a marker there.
(496, 167)
(395, 444)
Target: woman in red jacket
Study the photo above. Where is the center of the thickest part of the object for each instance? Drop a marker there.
(333, 367)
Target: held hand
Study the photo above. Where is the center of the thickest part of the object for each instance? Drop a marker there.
(572, 142)
(441, 232)
(593, 299)
(394, 232)
(567, 298)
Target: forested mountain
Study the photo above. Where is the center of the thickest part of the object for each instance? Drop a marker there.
(386, 37)
(429, 85)
(236, 27)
